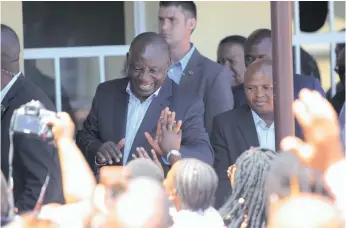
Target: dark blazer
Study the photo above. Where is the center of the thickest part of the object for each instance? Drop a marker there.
(107, 120)
(33, 158)
(299, 82)
(233, 133)
(211, 82)
(338, 100)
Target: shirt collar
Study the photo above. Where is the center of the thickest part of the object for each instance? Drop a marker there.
(185, 60)
(5, 90)
(258, 120)
(129, 91)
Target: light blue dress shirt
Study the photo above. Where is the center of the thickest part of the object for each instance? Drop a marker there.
(135, 113)
(177, 69)
(176, 72)
(266, 135)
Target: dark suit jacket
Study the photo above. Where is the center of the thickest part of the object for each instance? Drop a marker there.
(107, 120)
(33, 158)
(234, 132)
(299, 82)
(211, 82)
(338, 100)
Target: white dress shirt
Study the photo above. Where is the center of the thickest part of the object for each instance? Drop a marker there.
(135, 114)
(266, 135)
(7, 88)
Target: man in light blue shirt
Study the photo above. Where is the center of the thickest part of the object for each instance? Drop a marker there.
(124, 111)
(251, 125)
(177, 69)
(195, 74)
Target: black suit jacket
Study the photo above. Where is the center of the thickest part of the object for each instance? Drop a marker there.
(299, 82)
(233, 133)
(107, 120)
(33, 158)
(211, 82)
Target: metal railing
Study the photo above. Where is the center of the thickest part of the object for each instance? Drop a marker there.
(332, 37)
(83, 52)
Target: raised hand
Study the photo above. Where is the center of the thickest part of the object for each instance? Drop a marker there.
(142, 153)
(110, 152)
(322, 146)
(154, 143)
(171, 134)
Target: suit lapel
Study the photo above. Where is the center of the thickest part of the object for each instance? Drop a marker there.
(191, 70)
(119, 112)
(247, 127)
(152, 115)
(16, 87)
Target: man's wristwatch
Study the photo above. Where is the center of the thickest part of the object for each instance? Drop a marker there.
(173, 152)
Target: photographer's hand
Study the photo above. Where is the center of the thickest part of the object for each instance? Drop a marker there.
(77, 177)
(62, 127)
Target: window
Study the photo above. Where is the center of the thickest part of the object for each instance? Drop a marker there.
(321, 43)
(73, 24)
(71, 47)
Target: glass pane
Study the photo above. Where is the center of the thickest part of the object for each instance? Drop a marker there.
(79, 79)
(115, 67)
(73, 23)
(41, 72)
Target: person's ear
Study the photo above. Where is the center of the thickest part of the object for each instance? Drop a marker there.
(191, 24)
(233, 170)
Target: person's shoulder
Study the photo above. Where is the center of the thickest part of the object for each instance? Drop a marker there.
(231, 116)
(211, 65)
(299, 78)
(113, 84)
(30, 91)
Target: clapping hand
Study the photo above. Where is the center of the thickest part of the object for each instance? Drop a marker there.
(110, 152)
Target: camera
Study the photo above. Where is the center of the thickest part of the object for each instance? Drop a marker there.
(29, 119)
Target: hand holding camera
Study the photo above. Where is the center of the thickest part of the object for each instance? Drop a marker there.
(62, 126)
(30, 119)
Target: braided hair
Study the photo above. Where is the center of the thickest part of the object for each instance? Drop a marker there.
(196, 183)
(246, 206)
